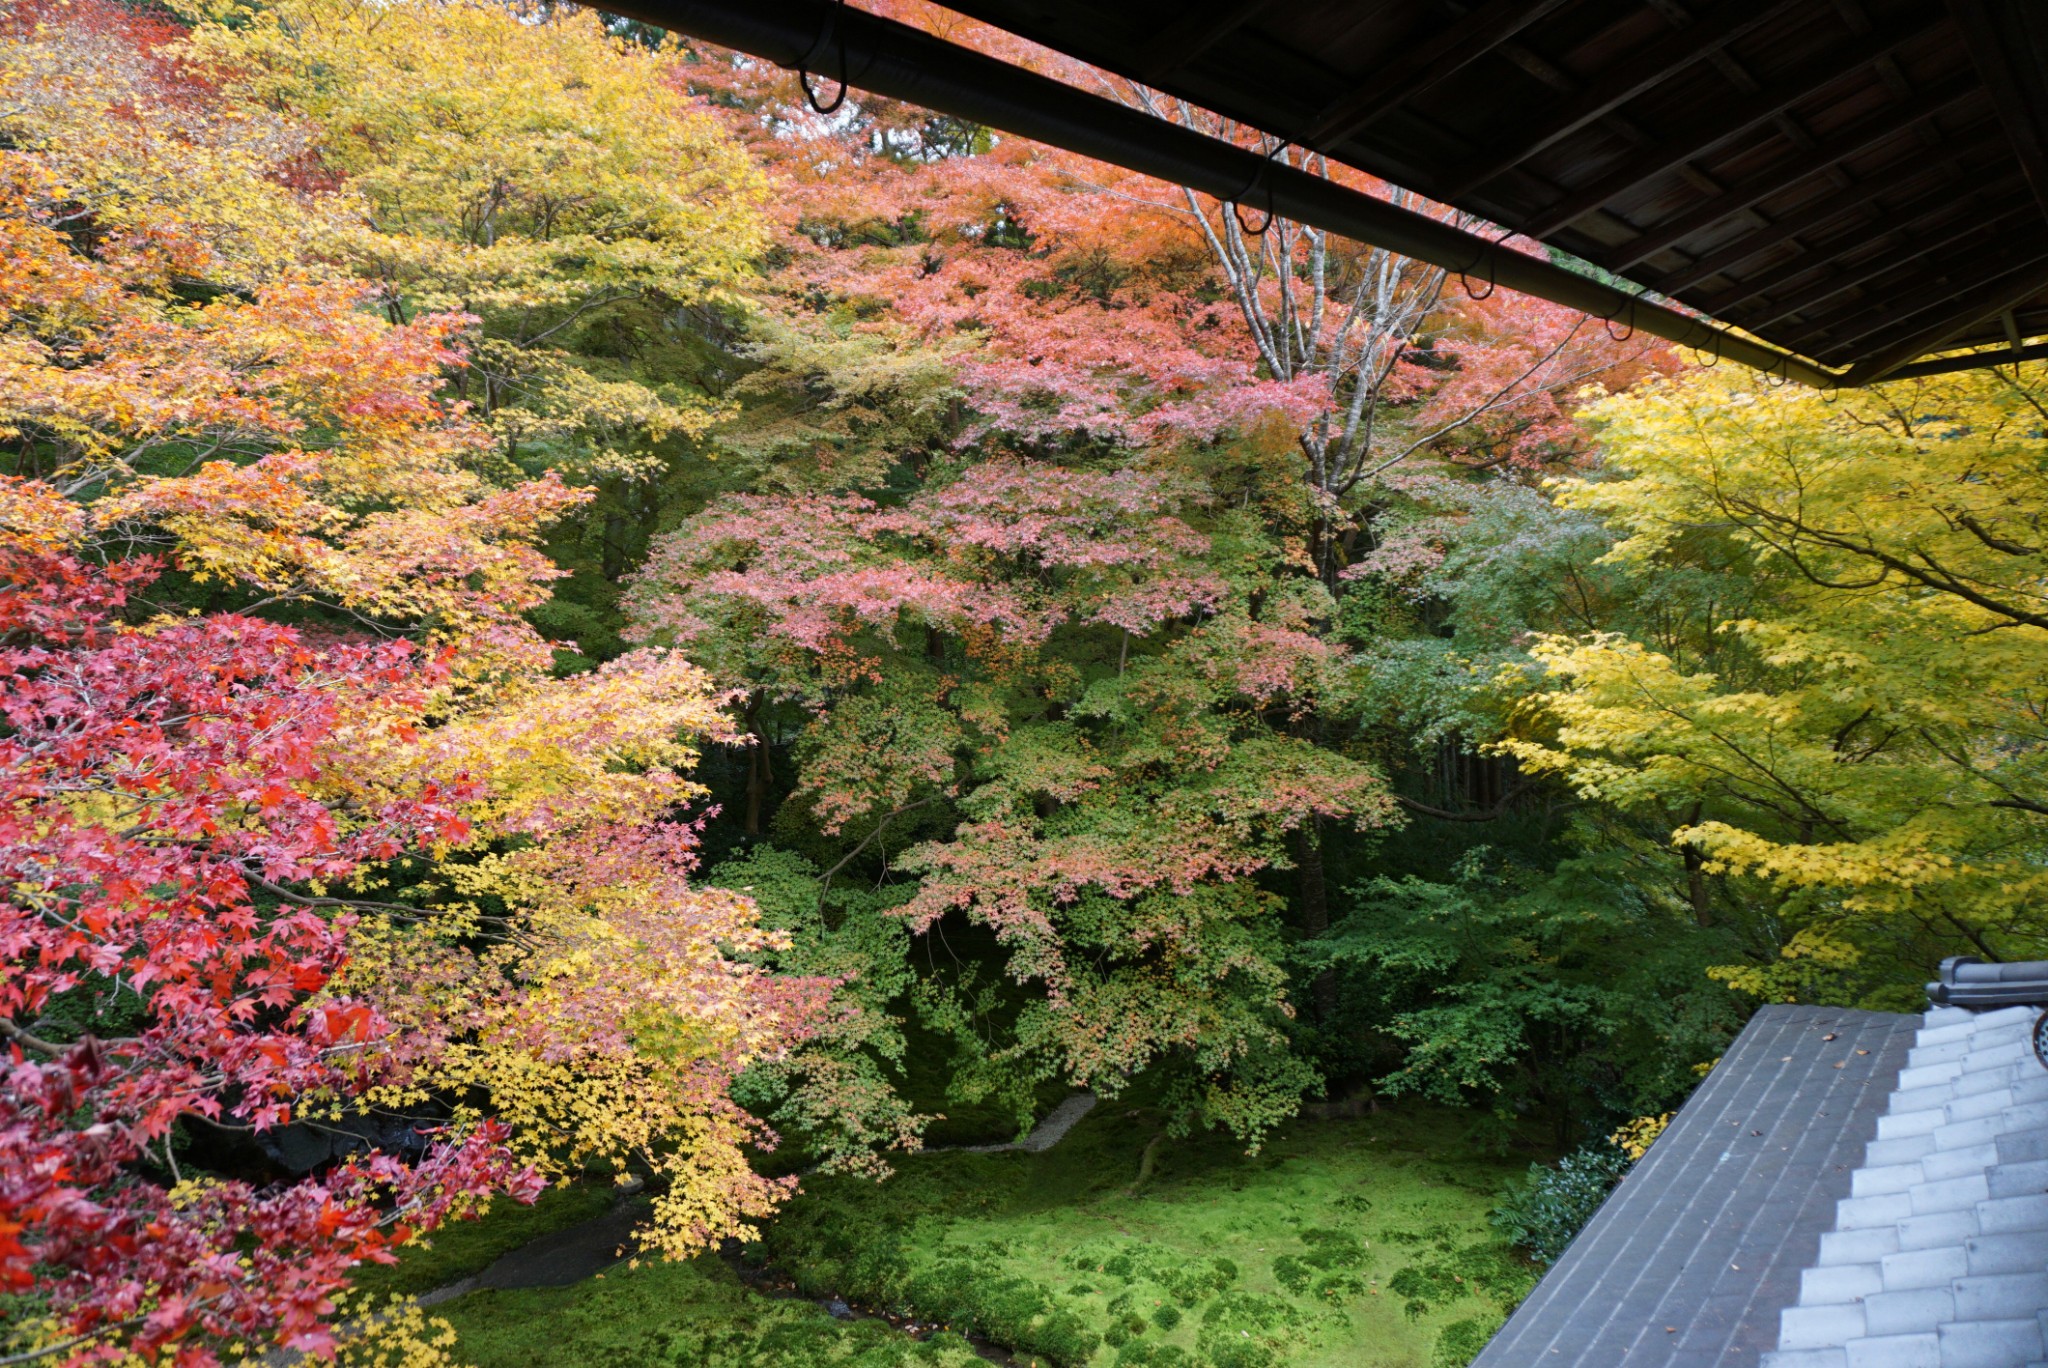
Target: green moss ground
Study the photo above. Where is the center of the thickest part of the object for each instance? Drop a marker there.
(677, 1315)
(1361, 1243)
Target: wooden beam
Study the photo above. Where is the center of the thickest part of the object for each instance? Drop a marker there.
(2004, 293)
(1199, 28)
(1738, 118)
(1978, 360)
(1825, 209)
(1913, 251)
(2017, 95)
(1969, 214)
(1631, 75)
(1847, 333)
(1821, 211)
(1422, 65)
(1789, 173)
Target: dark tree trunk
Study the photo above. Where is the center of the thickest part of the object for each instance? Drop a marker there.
(1697, 891)
(760, 768)
(1313, 896)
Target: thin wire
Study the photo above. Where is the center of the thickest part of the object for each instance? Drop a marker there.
(826, 33)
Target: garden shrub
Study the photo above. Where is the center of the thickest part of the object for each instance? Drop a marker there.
(1458, 1343)
(1544, 1211)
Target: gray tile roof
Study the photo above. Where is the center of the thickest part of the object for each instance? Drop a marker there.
(1939, 1254)
(1707, 1241)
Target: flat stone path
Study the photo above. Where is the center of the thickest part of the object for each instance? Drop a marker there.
(1044, 1135)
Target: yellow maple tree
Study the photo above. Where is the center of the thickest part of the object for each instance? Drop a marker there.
(1869, 745)
(530, 169)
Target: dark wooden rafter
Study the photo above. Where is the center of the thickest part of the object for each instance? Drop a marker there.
(1736, 119)
(1856, 330)
(1200, 28)
(2019, 110)
(1825, 209)
(2000, 294)
(2008, 45)
(1913, 252)
(1422, 65)
(1952, 220)
(1935, 100)
(1657, 61)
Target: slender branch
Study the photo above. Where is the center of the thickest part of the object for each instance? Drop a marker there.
(29, 1042)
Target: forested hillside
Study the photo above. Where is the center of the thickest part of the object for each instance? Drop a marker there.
(567, 618)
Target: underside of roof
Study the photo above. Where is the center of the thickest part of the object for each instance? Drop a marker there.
(1859, 184)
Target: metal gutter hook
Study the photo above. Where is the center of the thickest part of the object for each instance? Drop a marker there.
(826, 33)
(1258, 177)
